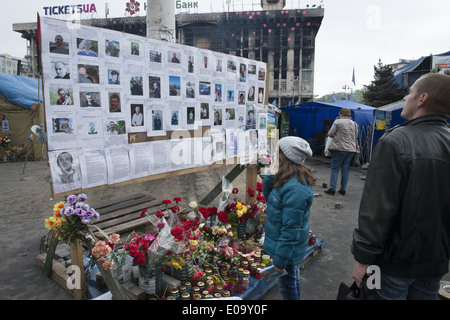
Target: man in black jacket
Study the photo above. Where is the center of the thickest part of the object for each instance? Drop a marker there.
(404, 216)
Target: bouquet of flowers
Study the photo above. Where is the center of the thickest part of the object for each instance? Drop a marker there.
(14, 150)
(104, 252)
(71, 218)
(138, 248)
(4, 141)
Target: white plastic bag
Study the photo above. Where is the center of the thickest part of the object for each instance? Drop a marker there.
(327, 152)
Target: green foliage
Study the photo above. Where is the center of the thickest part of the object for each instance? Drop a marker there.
(356, 96)
(383, 89)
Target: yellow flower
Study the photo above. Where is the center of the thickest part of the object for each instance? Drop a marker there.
(239, 213)
(57, 207)
(50, 223)
(244, 209)
(238, 205)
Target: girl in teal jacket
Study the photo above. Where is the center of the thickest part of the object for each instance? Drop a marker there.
(289, 196)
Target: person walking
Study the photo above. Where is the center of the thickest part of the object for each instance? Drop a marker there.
(404, 215)
(343, 147)
(288, 190)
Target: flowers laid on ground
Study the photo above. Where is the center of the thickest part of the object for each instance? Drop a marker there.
(71, 217)
(14, 150)
(184, 239)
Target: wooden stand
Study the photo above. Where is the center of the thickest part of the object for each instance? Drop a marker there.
(76, 254)
(252, 174)
(50, 254)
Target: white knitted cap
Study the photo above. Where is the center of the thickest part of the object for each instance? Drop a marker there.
(295, 149)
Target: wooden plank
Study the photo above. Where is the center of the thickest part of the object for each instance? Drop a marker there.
(251, 177)
(311, 256)
(58, 272)
(233, 174)
(76, 255)
(50, 254)
(120, 229)
(125, 204)
(118, 200)
(132, 211)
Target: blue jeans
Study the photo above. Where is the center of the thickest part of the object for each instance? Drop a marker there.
(340, 160)
(289, 284)
(397, 288)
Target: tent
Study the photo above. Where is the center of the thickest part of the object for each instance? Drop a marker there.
(385, 118)
(307, 120)
(21, 108)
(407, 75)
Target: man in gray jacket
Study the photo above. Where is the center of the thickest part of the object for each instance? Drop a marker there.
(404, 217)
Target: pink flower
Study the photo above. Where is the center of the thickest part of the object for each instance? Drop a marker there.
(101, 249)
(114, 238)
(150, 237)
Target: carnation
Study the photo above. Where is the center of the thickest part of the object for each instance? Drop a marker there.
(82, 197)
(205, 213)
(114, 238)
(72, 198)
(150, 237)
(259, 186)
(222, 216)
(177, 232)
(107, 265)
(193, 205)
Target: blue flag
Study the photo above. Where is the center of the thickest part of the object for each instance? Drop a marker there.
(353, 78)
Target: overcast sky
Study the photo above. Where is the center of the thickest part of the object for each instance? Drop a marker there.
(354, 33)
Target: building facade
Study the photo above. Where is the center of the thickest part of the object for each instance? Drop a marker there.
(12, 65)
(284, 39)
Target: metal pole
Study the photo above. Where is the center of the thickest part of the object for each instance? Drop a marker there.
(161, 20)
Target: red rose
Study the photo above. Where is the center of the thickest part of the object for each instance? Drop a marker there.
(235, 191)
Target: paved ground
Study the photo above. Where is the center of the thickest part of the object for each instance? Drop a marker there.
(26, 201)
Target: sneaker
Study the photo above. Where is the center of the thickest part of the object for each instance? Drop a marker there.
(330, 191)
(342, 192)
